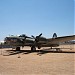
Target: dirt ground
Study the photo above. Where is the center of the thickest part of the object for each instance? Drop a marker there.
(43, 62)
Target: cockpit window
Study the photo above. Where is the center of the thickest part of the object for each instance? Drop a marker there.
(7, 39)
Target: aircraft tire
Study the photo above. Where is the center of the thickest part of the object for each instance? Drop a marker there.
(18, 48)
(33, 48)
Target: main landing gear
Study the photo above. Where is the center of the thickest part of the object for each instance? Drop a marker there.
(17, 48)
(33, 48)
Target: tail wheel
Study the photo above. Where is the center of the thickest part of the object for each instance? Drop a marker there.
(18, 48)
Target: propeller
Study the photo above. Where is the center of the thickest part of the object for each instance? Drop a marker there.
(37, 37)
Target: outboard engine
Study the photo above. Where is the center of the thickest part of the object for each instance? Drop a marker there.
(54, 35)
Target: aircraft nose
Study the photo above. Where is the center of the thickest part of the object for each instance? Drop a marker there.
(7, 40)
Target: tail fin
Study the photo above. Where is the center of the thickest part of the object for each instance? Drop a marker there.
(54, 35)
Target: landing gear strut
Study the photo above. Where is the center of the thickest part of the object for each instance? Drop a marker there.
(17, 48)
(33, 48)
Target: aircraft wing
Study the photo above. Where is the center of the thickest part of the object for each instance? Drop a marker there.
(61, 39)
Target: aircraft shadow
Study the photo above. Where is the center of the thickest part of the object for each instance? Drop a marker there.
(43, 51)
(14, 52)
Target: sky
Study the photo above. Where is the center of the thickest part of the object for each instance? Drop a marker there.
(32, 17)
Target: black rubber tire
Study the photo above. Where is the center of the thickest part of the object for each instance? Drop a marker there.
(18, 48)
(33, 48)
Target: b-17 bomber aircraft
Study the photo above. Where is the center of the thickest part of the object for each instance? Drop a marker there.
(38, 41)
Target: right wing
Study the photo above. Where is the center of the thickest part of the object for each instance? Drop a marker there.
(61, 39)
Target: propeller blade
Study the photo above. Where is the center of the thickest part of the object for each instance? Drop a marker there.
(33, 36)
(38, 37)
(40, 34)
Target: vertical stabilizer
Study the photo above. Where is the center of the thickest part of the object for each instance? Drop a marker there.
(54, 35)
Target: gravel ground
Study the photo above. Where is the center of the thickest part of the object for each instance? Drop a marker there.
(37, 63)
